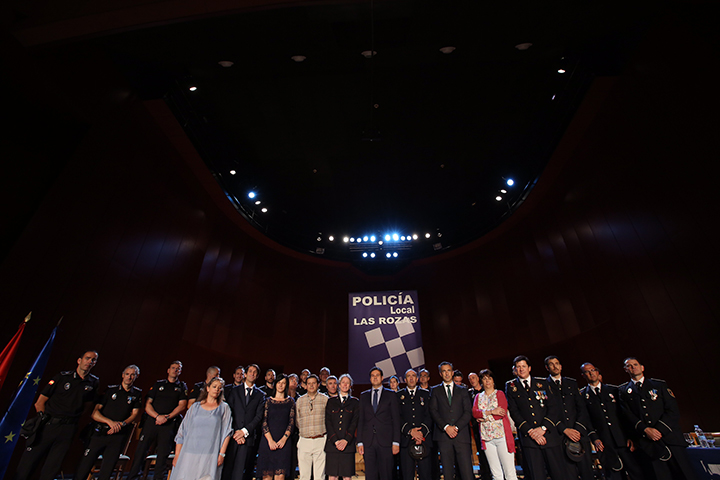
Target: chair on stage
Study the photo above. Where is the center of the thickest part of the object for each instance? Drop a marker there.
(121, 463)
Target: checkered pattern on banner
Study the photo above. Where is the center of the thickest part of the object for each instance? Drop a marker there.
(395, 348)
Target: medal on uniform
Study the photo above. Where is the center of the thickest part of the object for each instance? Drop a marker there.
(402, 397)
(653, 394)
(130, 399)
(538, 385)
(114, 396)
(629, 390)
(67, 386)
(161, 389)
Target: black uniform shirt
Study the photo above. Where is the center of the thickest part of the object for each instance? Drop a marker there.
(118, 404)
(68, 392)
(195, 392)
(166, 396)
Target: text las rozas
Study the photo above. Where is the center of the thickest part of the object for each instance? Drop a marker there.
(400, 307)
(384, 320)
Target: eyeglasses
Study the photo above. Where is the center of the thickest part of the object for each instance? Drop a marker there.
(591, 370)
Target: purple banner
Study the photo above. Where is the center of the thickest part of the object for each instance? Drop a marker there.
(384, 332)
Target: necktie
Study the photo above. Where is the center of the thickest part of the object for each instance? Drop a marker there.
(597, 391)
(375, 399)
(639, 386)
(412, 394)
(449, 392)
(342, 402)
(247, 395)
(527, 384)
(557, 382)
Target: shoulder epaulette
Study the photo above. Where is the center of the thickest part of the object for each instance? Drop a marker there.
(68, 372)
(113, 386)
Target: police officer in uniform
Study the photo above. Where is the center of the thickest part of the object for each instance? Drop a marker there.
(535, 410)
(575, 417)
(113, 416)
(608, 435)
(165, 403)
(212, 372)
(654, 416)
(60, 405)
(416, 427)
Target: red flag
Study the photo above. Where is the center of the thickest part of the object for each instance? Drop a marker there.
(7, 355)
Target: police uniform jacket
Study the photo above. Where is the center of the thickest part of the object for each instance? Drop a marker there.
(67, 393)
(606, 414)
(533, 408)
(118, 404)
(654, 405)
(167, 395)
(341, 423)
(572, 405)
(414, 412)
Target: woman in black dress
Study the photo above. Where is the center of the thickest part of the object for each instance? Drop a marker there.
(341, 419)
(278, 424)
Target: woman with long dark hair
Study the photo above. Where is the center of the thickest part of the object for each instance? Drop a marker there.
(278, 423)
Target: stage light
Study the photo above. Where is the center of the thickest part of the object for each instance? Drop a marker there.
(503, 191)
(192, 89)
(395, 254)
(359, 240)
(372, 238)
(251, 195)
(402, 238)
(346, 239)
(331, 238)
(365, 238)
(561, 71)
(264, 210)
(372, 255)
(364, 254)
(232, 172)
(352, 239)
(257, 202)
(510, 182)
(387, 255)
(407, 239)
(387, 238)
(319, 239)
(380, 242)
(415, 237)
(395, 237)
(498, 198)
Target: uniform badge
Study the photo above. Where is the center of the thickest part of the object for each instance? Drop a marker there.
(611, 397)
(538, 385)
(653, 394)
(114, 396)
(587, 396)
(51, 382)
(422, 402)
(161, 389)
(402, 397)
(88, 388)
(130, 399)
(67, 386)
(629, 390)
(671, 393)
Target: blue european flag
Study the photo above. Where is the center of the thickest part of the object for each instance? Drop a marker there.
(20, 406)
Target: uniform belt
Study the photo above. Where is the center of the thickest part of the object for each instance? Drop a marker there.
(316, 436)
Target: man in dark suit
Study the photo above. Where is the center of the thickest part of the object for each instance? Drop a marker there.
(246, 402)
(535, 410)
(451, 412)
(416, 424)
(654, 418)
(610, 439)
(575, 417)
(378, 435)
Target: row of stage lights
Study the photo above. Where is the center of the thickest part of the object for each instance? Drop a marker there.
(390, 237)
(373, 255)
(510, 182)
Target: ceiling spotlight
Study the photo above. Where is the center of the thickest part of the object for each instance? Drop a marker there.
(387, 238)
(257, 202)
(523, 46)
(561, 71)
(402, 238)
(352, 239)
(331, 238)
(368, 53)
(372, 238)
(319, 238)
(251, 195)
(298, 58)
(226, 64)
(346, 239)
(264, 210)
(365, 238)
(372, 255)
(364, 254)
(395, 254)
(503, 191)
(427, 235)
(380, 242)
(447, 50)
(498, 198)
(359, 240)
(387, 255)
(193, 88)
(510, 182)
(395, 237)
(415, 237)
(232, 172)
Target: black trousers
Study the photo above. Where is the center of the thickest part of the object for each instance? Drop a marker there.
(379, 462)
(612, 468)
(164, 438)
(408, 465)
(538, 459)
(450, 450)
(52, 444)
(677, 468)
(239, 463)
(110, 447)
(583, 468)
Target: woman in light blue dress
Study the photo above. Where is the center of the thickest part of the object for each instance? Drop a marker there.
(203, 437)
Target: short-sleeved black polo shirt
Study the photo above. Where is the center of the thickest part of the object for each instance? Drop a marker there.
(68, 393)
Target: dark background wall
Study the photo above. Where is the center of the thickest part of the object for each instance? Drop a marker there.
(133, 243)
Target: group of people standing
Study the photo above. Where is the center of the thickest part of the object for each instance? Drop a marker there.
(241, 431)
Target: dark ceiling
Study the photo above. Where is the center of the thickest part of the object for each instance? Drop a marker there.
(413, 140)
